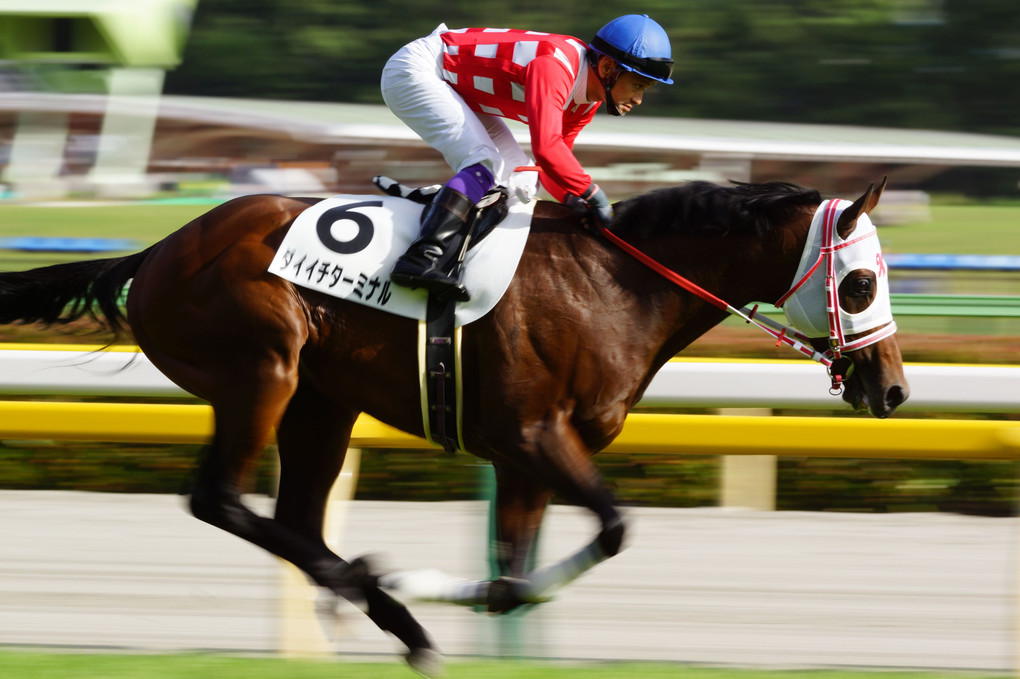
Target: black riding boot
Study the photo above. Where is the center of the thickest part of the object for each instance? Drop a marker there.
(432, 261)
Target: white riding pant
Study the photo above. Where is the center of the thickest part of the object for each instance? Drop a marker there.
(414, 89)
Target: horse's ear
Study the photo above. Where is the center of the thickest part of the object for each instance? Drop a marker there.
(863, 205)
(876, 195)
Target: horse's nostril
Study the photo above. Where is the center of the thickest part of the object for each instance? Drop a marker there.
(895, 396)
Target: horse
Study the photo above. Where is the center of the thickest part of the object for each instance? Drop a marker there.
(549, 374)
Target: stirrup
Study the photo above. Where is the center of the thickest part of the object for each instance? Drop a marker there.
(443, 287)
(492, 210)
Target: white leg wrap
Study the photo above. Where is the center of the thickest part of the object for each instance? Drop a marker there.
(433, 585)
(537, 587)
(542, 583)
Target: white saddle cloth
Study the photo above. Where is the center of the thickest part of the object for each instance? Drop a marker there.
(345, 246)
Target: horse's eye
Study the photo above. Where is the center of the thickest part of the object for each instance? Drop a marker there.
(862, 286)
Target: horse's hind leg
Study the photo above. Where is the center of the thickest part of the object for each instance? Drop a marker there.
(243, 427)
(313, 439)
(249, 390)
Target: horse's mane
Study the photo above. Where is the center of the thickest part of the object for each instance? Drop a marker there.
(712, 208)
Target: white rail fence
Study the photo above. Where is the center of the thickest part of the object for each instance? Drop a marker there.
(680, 383)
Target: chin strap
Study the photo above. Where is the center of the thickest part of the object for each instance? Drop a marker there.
(611, 107)
(607, 83)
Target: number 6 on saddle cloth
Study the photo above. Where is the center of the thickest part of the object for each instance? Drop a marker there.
(345, 246)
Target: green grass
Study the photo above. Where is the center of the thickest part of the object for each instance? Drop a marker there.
(30, 665)
(144, 224)
(138, 221)
(958, 229)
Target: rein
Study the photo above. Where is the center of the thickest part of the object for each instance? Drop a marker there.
(783, 334)
(838, 367)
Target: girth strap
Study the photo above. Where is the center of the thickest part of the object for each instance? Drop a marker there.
(439, 364)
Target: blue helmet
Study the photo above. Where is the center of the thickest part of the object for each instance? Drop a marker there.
(637, 44)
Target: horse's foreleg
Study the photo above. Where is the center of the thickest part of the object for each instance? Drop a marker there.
(563, 462)
(505, 593)
(520, 504)
(542, 583)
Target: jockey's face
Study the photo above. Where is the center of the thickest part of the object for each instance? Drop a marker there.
(629, 90)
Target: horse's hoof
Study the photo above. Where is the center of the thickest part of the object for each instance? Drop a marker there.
(505, 594)
(350, 580)
(426, 662)
(362, 571)
(327, 612)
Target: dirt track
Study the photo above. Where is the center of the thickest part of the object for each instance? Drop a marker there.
(707, 586)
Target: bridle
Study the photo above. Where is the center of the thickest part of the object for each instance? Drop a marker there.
(831, 245)
(838, 366)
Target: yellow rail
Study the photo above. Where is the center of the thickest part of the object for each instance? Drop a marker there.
(690, 434)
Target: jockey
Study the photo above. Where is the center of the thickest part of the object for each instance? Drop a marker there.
(453, 86)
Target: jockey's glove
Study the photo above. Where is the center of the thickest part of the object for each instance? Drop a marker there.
(594, 205)
(523, 185)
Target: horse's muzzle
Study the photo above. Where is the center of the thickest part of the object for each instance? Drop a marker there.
(881, 405)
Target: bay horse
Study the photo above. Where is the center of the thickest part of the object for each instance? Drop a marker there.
(549, 374)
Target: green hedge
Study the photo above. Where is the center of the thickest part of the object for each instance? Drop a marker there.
(666, 480)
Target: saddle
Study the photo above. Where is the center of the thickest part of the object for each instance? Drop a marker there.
(439, 361)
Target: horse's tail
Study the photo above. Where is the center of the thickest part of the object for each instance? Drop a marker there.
(65, 292)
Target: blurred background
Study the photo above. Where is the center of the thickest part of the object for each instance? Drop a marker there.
(122, 120)
(925, 79)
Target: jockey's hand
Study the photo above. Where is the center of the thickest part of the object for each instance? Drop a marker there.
(597, 210)
(523, 185)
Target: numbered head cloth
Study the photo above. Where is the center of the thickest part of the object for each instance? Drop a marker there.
(638, 44)
(805, 308)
